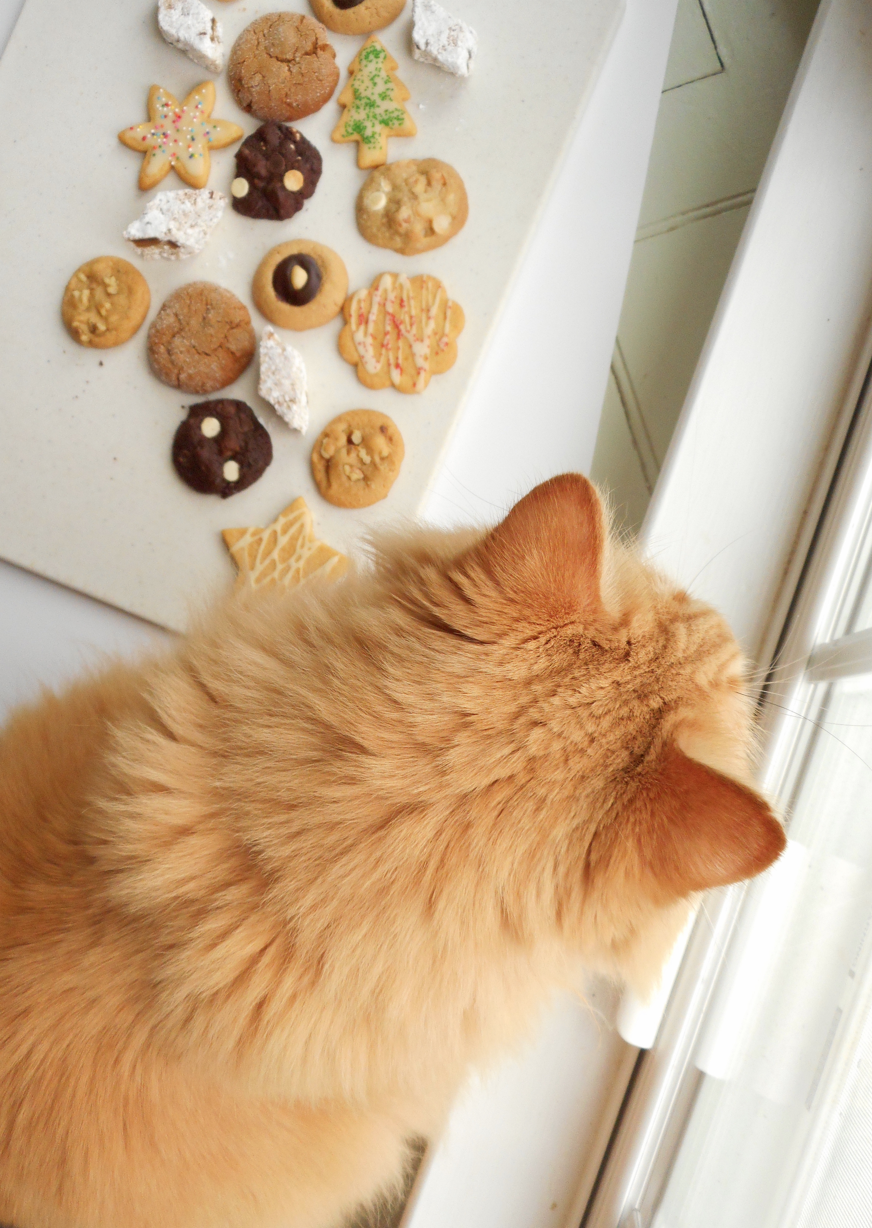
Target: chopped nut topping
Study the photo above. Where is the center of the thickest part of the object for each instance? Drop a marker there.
(364, 456)
(327, 448)
(353, 473)
(356, 437)
(428, 208)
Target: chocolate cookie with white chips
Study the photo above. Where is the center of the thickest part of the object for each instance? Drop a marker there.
(441, 39)
(176, 225)
(277, 170)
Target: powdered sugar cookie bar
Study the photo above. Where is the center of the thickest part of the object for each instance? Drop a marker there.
(191, 27)
(283, 380)
(443, 40)
(176, 225)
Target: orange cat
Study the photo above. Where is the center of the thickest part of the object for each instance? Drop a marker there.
(265, 901)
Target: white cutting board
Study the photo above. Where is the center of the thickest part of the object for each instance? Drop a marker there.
(88, 495)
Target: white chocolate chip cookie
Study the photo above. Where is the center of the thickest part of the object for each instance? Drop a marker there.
(412, 206)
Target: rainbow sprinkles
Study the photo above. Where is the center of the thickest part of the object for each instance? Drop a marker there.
(179, 136)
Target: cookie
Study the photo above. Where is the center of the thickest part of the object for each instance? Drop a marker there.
(356, 458)
(277, 170)
(179, 136)
(300, 284)
(105, 302)
(189, 26)
(221, 448)
(176, 225)
(443, 40)
(401, 331)
(357, 16)
(285, 553)
(282, 67)
(373, 101)
(283, 380)
(412, 206)
(201, 339)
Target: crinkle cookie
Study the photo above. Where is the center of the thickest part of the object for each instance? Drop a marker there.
(282, 67)
(277, 170)
(201, 339)
(221, 448)
(176, 225)
(357, 457)
(412, 206)
(401, 331)
(105, 302)
(357, 16)
(300, 284)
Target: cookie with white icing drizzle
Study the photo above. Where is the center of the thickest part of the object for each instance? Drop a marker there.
(401, 331)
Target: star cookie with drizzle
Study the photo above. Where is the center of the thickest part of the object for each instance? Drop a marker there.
(179, 136)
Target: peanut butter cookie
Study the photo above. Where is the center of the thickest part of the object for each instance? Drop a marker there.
(201, 339)
(105, 302)
(282, 67)
(356, 458)
(412, 206)
(401, 331)
(300, 284)
(357, 16)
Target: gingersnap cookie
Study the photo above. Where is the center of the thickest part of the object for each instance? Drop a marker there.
(105, 302)
(179, 136)
(373, 101)
(300, 284)
(221, 448)
(277, 170)
(357, 16)
(282, 67)
(356, 458)
(201, 339)
(412, 206)
(401, 331)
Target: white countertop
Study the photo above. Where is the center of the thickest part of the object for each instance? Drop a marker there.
(534, 411)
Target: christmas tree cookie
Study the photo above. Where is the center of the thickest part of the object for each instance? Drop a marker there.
(373, 101)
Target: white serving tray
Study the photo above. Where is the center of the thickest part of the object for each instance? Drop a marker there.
(88, 495)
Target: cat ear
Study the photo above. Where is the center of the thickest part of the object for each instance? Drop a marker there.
(545, 558)
(707, 829)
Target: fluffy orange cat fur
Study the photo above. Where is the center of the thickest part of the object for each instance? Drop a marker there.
(266, 899)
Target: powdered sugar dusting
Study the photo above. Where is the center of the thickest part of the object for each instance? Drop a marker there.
(176, 225)
(190, 26)
(442, 39)
(283, 380)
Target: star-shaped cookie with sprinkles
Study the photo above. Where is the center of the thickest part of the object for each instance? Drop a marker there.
(179, 136)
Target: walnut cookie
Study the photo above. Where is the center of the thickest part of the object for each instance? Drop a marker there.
(412, 206)
(282, 67)
(357, 16)
(300, 284)
(401, 331)
(105, 302)
(357, 457)
(201, 339)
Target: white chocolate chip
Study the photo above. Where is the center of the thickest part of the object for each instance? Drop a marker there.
(230, 471)
(299, 277)
(442, 224)
(293, 181)
(210, 427)
(239, 188)
(376, 201)
(353, 473)
(356, 437)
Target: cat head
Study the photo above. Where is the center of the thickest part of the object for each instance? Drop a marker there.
(619, 716)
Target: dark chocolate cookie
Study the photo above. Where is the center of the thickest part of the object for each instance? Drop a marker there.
(277, 170)
(221, 448)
